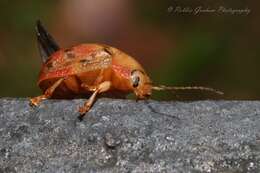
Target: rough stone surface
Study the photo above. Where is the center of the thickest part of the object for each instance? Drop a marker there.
(129, 136)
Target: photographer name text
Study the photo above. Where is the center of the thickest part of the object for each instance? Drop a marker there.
(207, 10)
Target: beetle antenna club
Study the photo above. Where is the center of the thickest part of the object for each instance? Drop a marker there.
(165, 88)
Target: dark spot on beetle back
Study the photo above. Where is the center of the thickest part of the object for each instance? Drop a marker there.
(83, 60)
(69, 53)
(108, 51)
(49, 65)
(67, 50)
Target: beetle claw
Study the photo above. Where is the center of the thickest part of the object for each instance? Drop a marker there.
(83, 110)
(82, 114)
(33, 104)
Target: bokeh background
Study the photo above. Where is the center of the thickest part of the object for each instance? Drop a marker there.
(182, 49)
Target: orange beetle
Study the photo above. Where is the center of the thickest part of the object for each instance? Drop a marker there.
(90, 69)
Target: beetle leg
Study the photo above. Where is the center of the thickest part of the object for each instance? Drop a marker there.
(100, 77)
(103, 87)
(47, 94)
(97, 81)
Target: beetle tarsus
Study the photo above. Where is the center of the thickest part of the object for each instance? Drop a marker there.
(84, 109)
(103, 87)
(34, 102)
(47, 94)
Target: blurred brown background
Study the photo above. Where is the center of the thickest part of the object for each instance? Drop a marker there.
(219, 50)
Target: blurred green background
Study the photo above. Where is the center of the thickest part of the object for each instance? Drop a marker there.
(219, 50)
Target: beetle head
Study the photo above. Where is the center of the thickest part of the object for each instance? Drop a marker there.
(141, 84)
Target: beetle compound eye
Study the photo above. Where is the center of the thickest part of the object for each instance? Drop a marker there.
(136, 78)
(136, 81)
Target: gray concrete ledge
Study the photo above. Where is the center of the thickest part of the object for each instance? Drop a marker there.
(129, 136)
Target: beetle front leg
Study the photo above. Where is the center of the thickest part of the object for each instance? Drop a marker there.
(47, 94)
(103, 87)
